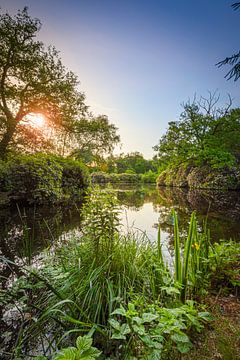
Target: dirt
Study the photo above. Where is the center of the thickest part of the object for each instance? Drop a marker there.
(220, 340)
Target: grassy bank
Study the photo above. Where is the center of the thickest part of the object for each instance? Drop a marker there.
(115, 292)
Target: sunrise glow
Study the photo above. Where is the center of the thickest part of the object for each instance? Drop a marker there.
(36, 120)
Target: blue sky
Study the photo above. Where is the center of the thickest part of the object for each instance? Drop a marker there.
(138, 61)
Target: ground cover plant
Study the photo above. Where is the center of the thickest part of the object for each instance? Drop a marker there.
(117, 290)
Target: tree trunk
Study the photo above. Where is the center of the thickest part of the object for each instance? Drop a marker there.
(4, 143)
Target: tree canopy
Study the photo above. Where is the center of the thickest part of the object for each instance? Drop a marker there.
(133, 162)
(94, 137)
(33, 80)
(205, 134)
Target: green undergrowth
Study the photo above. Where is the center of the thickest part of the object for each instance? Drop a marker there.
(118, 291)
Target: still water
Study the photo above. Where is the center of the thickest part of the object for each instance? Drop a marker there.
(25, 232)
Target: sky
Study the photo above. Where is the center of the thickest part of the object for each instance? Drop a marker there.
(139, 61)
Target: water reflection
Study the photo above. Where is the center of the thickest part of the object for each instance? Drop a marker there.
(28, 231)
(145, 207)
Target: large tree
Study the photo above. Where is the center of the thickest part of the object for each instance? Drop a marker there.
(205, 134)
(32, 80)
(93, 138)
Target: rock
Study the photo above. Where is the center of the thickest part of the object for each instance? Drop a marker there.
(203, 177)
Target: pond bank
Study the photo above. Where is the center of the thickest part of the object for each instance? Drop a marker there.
(202, 177)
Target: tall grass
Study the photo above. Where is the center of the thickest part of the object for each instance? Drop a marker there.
(83, 281)
(191, 259)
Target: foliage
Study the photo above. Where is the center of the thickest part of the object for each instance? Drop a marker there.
(191, 262)
(233, 60)
(82, 351)
(42, 178)
(149, 177)
(94, 138)
(119, 286)
(75, 178)
(133, 162)
(149, 332)
(33, 80)
(103, 178)
(224, 262)
(204, 135)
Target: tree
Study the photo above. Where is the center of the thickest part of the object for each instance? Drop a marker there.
(233, 60)
(204, 134)
(132, 162)
(32, 80)
(93, 138)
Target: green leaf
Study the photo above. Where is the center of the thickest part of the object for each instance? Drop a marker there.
(137, 320)
(67, 354)
(89, 354)
(115, 324)
(155, 355)
(118, 336)
(180, 337)
(149, 317)
(184, 347)
(205, 316)
(119, 311)
(125, 329)
(139, 329)
(83, 343)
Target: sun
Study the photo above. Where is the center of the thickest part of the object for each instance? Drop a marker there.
(37, 120)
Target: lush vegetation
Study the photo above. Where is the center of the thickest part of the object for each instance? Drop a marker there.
(204, 142)
(35, 82)
(234, 60)
(106, 294)
(128, 168)
(42, 179)
(118, 290)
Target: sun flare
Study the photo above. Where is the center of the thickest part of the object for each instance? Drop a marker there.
(37, 120)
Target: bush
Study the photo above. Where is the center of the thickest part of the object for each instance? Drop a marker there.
(75, 178)
(103, 178)
(42, 178)
(149, 177)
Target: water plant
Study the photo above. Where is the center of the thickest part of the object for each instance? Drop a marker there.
(191, 259)
(118, 287)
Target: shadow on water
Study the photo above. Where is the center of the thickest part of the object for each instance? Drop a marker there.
(220, 209)
(25, 233)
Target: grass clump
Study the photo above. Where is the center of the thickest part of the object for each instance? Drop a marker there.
(117, 288)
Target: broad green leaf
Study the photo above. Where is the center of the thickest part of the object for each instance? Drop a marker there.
(149, 317)
(180, 337)
(115, 324)
(83, 343)
(118, 336)
(139, 329)
(205, 316)
(125, 329)
(137, 320)
(90, 354)
(119, 311)
(155, 355)
(184, 347)
(67, 354)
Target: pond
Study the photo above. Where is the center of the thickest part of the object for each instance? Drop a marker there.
(25, 233)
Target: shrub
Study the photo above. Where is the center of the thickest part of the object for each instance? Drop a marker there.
(32, 179)
(75, 178)
(149, 177)
(42, 178)
(103, 178)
